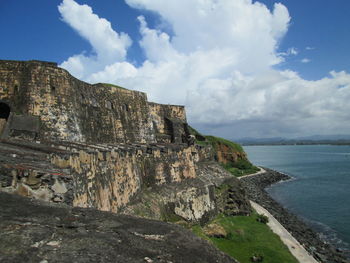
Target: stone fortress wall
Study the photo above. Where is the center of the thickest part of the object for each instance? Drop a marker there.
(102, 146)
(65, 108)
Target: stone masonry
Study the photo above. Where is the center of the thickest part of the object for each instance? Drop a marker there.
(40, 93)
(102, 146)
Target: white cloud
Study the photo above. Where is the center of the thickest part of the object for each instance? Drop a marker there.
(108, 45)
(219, 63)
(305, 60)
(293, 51)
(290, 52)
(309, 48)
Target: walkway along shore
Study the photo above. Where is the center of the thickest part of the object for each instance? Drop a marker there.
(261, 171)
(297, 250)
(319, 250)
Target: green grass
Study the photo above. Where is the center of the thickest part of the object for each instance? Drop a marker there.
(193, 131)
(246, 237)
(237, 169)
(200, 138)
(202, 143)
(112, 85)
(216, 140)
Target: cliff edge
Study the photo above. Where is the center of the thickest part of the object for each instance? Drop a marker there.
(73, 144)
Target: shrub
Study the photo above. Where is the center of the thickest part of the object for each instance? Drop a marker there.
(262, 219)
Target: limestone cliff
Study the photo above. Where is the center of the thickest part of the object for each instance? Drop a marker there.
(105, 147)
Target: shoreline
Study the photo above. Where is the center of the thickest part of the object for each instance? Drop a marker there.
(255, 186)
(295, 248)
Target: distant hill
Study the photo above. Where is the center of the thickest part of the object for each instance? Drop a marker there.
(307, 140)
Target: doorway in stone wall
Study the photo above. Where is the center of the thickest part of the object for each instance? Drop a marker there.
(4, 115)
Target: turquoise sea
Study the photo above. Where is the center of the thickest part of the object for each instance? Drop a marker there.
(320, 190)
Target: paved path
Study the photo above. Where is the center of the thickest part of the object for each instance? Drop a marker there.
(248, 175)
(293, 245)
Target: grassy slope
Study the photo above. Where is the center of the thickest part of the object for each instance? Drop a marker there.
(241, 167)
(215, 140)
(113, 85)
(246, 237)
(248, 168)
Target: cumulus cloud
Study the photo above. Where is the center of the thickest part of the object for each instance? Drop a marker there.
(219, 61)
(305, 60)
(108, 46)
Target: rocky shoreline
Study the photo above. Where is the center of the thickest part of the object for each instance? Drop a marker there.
(255, 188)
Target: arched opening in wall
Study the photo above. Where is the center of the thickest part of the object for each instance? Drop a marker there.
(4, 115)
(4, 111)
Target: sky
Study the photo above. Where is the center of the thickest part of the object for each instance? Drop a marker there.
(242, 68)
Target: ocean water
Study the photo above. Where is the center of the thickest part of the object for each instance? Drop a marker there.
(320, 190)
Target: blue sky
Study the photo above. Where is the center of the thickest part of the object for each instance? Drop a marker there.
(266, 75)
(33, 29)
(323, 25)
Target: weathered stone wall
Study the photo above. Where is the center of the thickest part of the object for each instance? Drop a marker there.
(72, 110)
(107, 178)
(152, 181)
(198, 199)
(2, 125)
(25, 169)
(169, 122)
(100, 146)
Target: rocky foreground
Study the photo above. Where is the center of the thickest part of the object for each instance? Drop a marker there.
(35, 231)
(255, 189)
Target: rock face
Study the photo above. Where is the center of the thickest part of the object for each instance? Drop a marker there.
(175, 181)
(103, 177)
(102, 146)
(32, 231)
(226, 154)
(213, 191)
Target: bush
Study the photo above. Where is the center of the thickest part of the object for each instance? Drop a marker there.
(262, 219)
(242, 164)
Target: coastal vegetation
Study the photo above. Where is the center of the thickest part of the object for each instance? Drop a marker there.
(245, 238)
(230, 155)
(216, 141)
(240, 168)
(113, 85)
